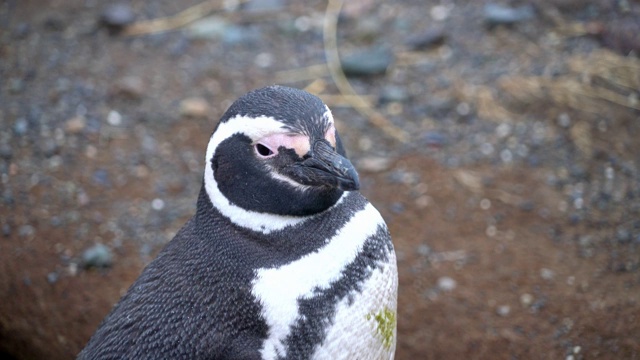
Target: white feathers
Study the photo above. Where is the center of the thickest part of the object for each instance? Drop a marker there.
(278, 289)
(359, 330)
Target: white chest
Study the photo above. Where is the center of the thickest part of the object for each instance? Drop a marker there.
(360, 317)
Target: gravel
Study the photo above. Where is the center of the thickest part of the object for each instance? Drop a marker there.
(97, 256)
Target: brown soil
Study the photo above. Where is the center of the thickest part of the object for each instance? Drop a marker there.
(491, 263)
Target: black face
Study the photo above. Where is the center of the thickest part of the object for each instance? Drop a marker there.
(301, 170)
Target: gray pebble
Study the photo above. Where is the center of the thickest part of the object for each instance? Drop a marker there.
(397, 208)
(503, 310)
(131, 87)
(118, 15)
(623, 235)
(369, 62)
(264, 5)
(527, 205)
(48, 147)
(6, 152)
(236, 35)
(54, 22)
(21, 30)
(538, 305)
(393, 94)
(16, 86)
(21, 127)
(212, 27)
(52, 277)
(26, 231)
(101, 177)
(55, 221)
(7, 197)
(426, 39)
(6, 229)
(495, 14)
(424, 249)
(374, 163)
(434, 138)
(446, 283)
(98, 256)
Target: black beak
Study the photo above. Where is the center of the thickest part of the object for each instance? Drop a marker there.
(325, 167)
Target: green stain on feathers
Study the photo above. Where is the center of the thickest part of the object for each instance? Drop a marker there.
(386, 320)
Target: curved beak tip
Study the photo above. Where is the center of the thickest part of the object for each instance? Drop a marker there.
(351, 181)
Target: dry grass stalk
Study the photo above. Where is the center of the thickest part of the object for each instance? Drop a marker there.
(339, 78)
(618, 81)
(179, 20)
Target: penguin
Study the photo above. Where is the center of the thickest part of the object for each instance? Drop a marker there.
(283, 259)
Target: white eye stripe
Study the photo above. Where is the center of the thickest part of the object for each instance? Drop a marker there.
(254, 128)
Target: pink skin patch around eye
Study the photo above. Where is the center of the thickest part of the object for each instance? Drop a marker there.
(330, 135)
(299, 143)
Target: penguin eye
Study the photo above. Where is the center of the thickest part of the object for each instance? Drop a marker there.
(263, 151)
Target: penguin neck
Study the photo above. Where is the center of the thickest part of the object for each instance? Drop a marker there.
(212, 203)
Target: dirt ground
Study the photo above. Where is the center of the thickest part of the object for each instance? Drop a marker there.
(514, 203)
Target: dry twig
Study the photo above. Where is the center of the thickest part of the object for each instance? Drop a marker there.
(176, 21)
(339, 78)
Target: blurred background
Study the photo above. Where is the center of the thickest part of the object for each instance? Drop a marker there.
(500, 140)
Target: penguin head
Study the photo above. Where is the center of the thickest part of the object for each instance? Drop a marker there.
(276, 152)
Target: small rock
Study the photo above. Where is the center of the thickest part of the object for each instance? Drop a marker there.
(83, 198)
(374, 164)
(423, 201)
(54, 22)
(16, 86)
(441, 12)
(26, 231)
(116, 16)
(52, 277)
(547, 274)
(424, 249)
(264, 5)
(157, 204)
(114, 118)
(428, 38)
(101, 177)
(621, 34)
(446, 283)
(195, 107)
(98, 256)
(21, 127)
(56, 221)
(394, 94)
(434, 138)
(367, 29)
(6, 152)
(7, 197)
(503, 310)
(623, 235)
(495, 14)
(397, 208)
(6, 229)
(75, 124)
(212, 27)
(369, 62)
(48, 147)
(234, 35)
(131, 87)
(21, 31)
(526, 299)
(73, 269)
